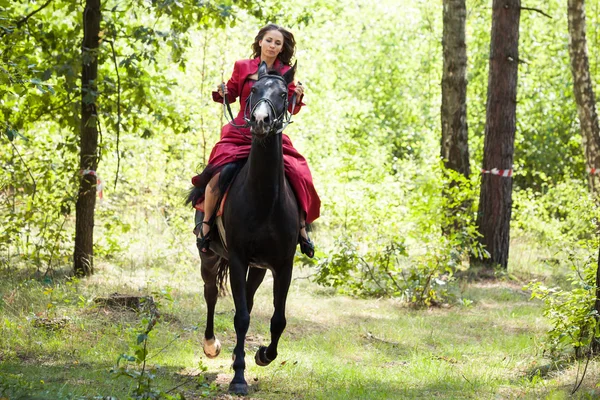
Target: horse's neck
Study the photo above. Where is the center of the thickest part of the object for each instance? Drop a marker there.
(265, 170)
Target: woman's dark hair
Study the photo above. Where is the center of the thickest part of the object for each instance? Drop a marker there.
(289, 43)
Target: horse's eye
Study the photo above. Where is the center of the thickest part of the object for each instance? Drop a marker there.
(283, 95)
(253, 90)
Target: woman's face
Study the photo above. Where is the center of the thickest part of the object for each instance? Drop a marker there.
(271, 44)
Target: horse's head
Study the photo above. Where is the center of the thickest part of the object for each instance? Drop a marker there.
(269, 101)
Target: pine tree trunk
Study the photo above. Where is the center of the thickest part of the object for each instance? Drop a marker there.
(495, 202)
(584, 93)
(586, 108)
(455, 146)
(86, 200)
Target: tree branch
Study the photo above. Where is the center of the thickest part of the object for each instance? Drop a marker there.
(26, 18)
(536, 10)
(27, 168)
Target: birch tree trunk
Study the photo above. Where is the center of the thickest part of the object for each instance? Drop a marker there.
(88, 161)
(584, 93)
(495, 202)
(455, 146)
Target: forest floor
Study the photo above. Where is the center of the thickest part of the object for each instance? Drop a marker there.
(487, 346)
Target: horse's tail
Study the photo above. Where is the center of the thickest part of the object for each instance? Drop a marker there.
(194, 194)
(222, 269)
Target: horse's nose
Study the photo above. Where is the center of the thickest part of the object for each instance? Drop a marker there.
(261, 115)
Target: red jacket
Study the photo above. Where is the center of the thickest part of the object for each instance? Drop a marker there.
(242, 69)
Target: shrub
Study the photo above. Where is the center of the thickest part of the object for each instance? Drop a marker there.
(571, 311)
(415, 264)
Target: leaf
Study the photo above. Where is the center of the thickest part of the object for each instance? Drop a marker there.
(141, 337)
(141, 354)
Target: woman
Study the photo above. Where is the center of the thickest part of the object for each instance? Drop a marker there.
(275, 46)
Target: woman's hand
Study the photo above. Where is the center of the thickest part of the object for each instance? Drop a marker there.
(220, 89)
(299, 89)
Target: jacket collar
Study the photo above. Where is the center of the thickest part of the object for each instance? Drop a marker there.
(277, 65)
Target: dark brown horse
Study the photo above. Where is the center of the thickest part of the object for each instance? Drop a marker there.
(261, 220)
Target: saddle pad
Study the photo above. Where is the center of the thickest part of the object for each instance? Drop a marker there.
(222, 231)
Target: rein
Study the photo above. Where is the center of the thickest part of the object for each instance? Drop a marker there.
(284, 119)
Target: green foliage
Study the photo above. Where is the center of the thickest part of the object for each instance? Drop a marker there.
(565, 213)
(16, 385)
(441, 238)
(570, 311)
(36, 199)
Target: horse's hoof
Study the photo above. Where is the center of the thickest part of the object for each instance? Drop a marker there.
(211, 347)
(238, 388)
(261, 358)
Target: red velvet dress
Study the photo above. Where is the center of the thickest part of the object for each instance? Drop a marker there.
(235, 142)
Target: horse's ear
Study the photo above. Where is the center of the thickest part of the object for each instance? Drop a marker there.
(289, 75)
(262, 69)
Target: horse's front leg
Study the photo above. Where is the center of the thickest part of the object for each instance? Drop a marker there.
(255, 278)
(281, 285)
(237, 275)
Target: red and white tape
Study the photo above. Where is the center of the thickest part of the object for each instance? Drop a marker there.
(99, 185)
(507, 173)
(593, 171)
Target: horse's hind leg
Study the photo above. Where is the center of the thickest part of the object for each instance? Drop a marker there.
(281, 285)
(210, 263)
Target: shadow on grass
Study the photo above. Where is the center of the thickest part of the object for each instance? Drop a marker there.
(94, 381)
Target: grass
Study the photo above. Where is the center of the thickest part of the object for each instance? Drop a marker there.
(334, 347)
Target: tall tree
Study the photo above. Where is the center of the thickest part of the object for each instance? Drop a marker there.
(88, 161)
(40, 83)
(495, 202)
(584, 92)
(455, 146)
(586, 108)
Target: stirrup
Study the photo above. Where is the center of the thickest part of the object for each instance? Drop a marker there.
(203, 242)
(306, 245)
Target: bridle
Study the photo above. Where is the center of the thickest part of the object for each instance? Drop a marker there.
(282, 120)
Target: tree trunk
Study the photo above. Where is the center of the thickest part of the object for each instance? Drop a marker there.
(584, 93)
(495, 202)
(455, 146)
(88, 162)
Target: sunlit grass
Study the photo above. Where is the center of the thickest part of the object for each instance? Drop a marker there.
(483, 345)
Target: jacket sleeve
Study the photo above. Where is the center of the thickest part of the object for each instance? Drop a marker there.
(233, 87)
(299, 103)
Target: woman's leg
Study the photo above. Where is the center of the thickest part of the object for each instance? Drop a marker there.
(306, 245)
(211, 196)
(303, 227)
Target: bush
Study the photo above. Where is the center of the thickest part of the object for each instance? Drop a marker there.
(418, 264)
(571, 311)
(564, 213)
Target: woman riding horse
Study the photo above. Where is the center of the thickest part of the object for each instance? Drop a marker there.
(275, 46)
